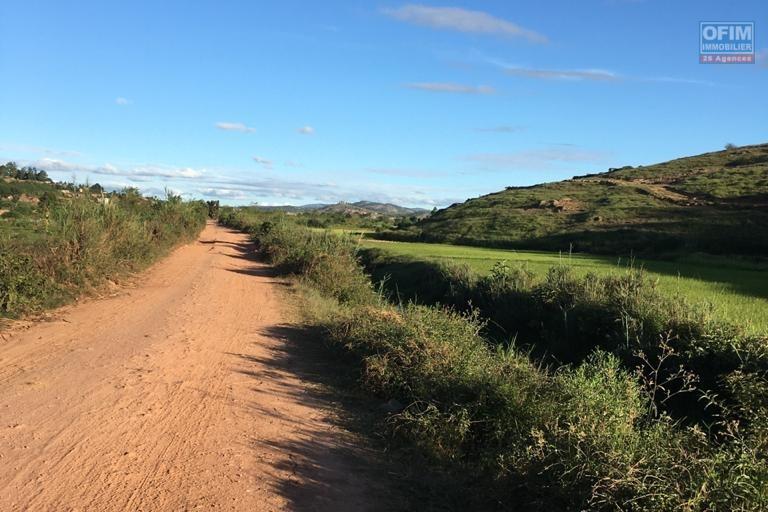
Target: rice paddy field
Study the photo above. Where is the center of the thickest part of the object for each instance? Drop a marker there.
(736, 290)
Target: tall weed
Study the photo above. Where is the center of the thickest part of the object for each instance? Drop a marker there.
(82, 241)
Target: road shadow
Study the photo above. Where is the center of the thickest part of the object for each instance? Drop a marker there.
(347, 467)
(246, 252)
(260, 271)
(263, 271)
(243, 250)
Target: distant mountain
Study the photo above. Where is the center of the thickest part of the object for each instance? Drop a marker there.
(715, 202)
(367, 208)
(290, 208)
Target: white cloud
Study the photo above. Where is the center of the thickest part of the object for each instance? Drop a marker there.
(599, 75)
(594, 75)
(223, 193)
(234, 127)
(22, 148)
(462, 20)
(451, 87)
(162, 192)
(265, 163)
(305, 192)
(163, 172)
(132, 172)
(674, 80)
(55, 165)
(122, 101)
(239, 186)
(306, 130)
(535, 159)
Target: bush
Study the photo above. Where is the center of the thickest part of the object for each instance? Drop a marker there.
(327, 261)
(563, 318)
(23, 286)
(577, 438)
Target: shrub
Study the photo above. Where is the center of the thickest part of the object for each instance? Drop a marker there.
(22, 285)
(563, 318)
(577, 438)
(328, 261)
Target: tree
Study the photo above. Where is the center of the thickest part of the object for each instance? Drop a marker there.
(213, 209)
(730, 146)
(131, 192)
(41, 175)
(9, 169)
(26, 173)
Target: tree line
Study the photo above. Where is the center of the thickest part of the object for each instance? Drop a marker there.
(11, 170)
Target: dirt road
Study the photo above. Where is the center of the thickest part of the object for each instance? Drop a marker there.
(183, 391)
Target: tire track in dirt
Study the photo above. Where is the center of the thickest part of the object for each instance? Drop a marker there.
(175, 395)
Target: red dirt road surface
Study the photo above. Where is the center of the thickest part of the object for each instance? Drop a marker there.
(181, 392)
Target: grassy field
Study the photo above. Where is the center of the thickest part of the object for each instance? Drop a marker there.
(737, 291)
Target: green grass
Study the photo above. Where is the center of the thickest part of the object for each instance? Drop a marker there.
(734, 173)
(738, 292)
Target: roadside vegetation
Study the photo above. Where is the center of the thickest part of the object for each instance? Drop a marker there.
(340, 217)
(566, 392)
(59, 240)
(734, 289)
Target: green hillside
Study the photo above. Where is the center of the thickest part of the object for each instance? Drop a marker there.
(716, 202)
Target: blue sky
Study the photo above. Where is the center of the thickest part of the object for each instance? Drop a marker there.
(416, 103)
